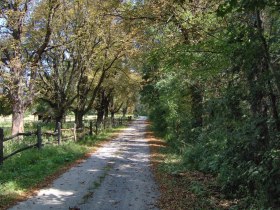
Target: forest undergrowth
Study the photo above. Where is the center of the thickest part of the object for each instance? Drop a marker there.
(180, 187)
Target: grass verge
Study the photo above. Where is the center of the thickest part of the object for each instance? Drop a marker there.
(22, 175)
(180, 188)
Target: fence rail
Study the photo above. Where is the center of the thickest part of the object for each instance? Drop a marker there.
(19, 134)
(38, 133)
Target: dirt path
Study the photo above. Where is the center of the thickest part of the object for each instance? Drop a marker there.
(117, 176)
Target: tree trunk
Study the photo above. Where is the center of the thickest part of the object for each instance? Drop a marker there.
(106, 104)
(18, 102)
(269, 67)
(79, 119)
(257, 80)
(106, 112)
(113, 118)
(58, 119)
(259, 110)
(124, 111)
(18, 118)
(274, 107)
(100, 115)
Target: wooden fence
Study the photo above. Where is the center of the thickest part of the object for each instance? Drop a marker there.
(58, 134)
(37, 133)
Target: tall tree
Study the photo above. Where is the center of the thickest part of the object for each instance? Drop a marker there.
(19, 58)
(57, 82)
(102, 49)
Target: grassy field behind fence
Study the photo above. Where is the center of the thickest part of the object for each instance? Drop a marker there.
(6, 121)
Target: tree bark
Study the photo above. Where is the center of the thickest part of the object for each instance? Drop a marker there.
(18, 119)
(79, 118)
(124, 111)
(100, 115)
(268, 67)
(58, 119)
(105, 104)
(113, 118)
(106, 112)
(18, 97)
(259, 107)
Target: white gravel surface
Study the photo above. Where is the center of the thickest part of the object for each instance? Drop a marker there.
(117, 176)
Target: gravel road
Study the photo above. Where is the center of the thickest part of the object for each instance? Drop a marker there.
(116, 176)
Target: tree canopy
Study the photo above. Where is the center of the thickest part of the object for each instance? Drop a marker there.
(207, 72)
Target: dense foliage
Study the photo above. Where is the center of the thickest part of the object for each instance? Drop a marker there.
(63, 55)
(212, 91)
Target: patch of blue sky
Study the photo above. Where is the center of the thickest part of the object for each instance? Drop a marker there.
(4, 31)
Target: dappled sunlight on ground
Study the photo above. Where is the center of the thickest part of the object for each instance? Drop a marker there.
(54, 196)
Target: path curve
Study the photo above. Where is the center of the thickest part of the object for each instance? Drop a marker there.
(116, 176)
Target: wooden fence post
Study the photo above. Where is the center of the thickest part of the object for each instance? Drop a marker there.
(39, 137)
(74, 131)
(90, 128)
(1, 145)
(59, 133)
